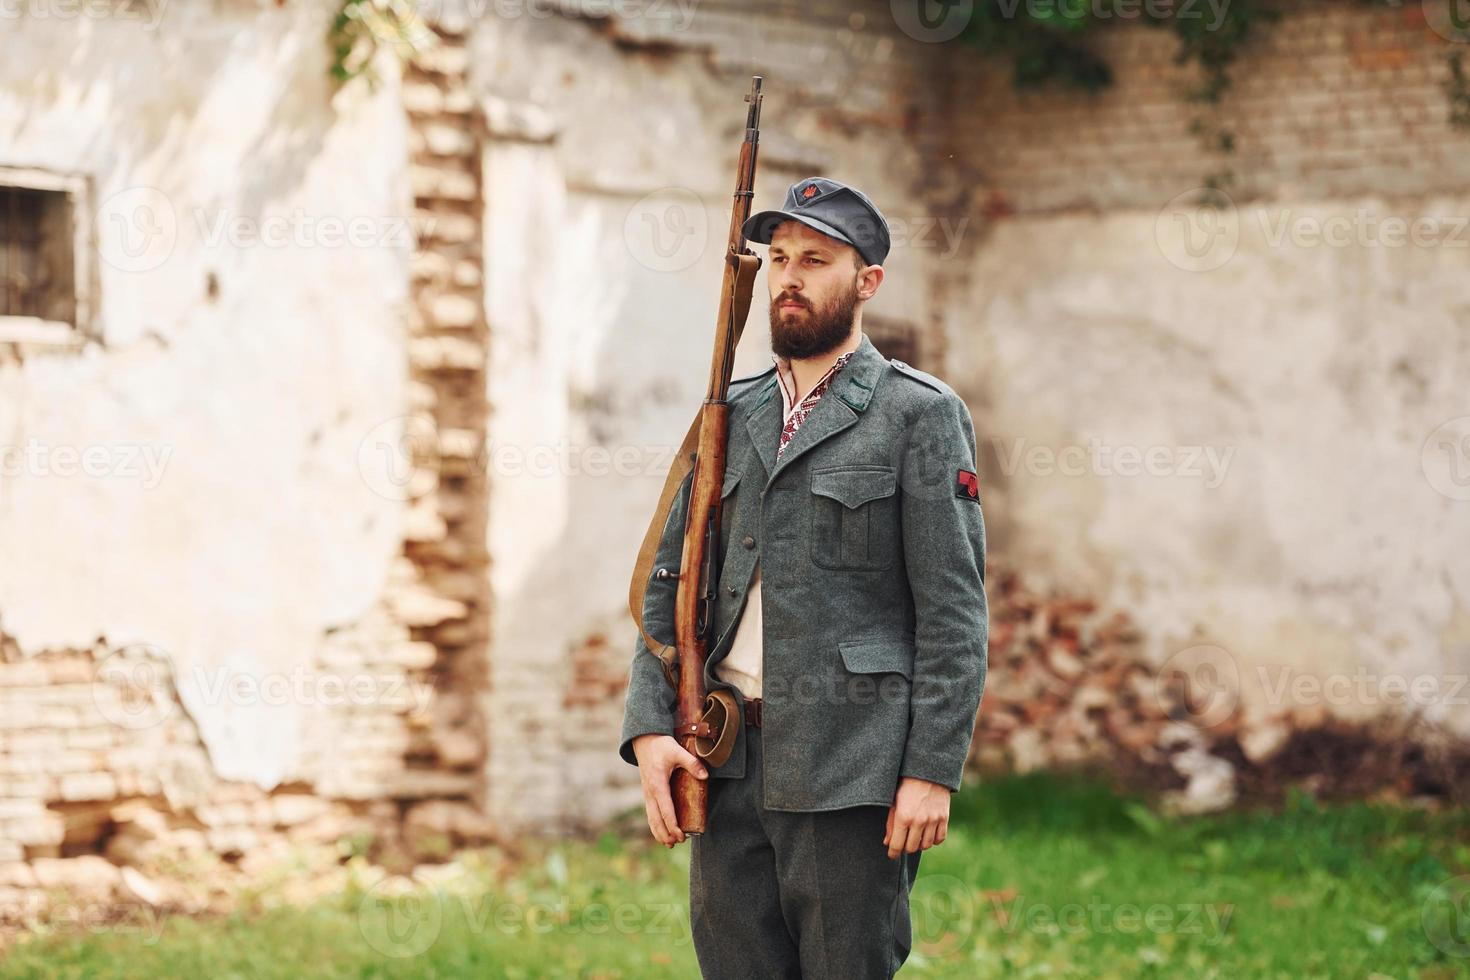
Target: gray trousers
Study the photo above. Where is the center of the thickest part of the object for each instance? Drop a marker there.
(775, 894)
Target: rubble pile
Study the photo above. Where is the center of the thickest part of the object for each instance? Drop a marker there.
(1069, 688)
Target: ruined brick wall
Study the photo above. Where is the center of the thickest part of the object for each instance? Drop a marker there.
(1231, 415)
(110, 799)
(448, 351)
(1332, 100)
(1072, 688)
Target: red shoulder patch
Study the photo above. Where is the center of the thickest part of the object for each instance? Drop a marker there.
(967, 485)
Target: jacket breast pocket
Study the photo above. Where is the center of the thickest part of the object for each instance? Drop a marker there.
(854, 517)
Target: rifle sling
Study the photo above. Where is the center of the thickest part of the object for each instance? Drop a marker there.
(733, 310)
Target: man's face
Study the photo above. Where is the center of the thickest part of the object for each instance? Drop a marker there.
(814, 281)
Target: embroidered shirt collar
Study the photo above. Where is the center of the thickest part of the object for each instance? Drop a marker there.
(788, 380)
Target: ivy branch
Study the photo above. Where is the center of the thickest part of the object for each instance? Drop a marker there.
(362, 28)
(1050, 42)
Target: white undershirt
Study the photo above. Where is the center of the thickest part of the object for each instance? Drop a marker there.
(742, 665)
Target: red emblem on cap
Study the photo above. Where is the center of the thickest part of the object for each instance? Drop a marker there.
(809, 191)
(967, 485)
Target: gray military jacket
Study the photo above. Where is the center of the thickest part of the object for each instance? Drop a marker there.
(872, 552)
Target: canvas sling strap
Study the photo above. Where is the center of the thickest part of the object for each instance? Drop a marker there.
(718, 734)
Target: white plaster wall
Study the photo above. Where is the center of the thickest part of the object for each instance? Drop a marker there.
(261, 530)
(1332, 542)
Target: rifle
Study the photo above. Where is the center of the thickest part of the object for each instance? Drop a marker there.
(704, 722)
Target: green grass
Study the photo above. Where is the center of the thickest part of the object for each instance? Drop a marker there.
(1041, 877)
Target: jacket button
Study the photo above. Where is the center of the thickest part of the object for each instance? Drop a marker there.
(748, 541)
(732, 590)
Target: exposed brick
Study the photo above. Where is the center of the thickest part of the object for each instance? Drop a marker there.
(454, 312)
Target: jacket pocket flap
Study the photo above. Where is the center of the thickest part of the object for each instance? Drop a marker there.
(875, 655)
(853, 488)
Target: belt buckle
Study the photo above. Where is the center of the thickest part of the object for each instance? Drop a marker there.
(753, 712)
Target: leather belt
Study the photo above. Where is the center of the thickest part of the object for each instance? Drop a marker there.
(753, 712)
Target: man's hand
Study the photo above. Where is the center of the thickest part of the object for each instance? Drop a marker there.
(658, 757)
(919, 817)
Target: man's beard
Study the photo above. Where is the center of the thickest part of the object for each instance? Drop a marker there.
(812, 332)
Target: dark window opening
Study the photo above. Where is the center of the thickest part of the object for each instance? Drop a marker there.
(37, 264)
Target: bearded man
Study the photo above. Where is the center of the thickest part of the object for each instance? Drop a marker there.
(852, 624)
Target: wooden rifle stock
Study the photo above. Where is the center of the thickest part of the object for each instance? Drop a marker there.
(694, 606)
(701, 717)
